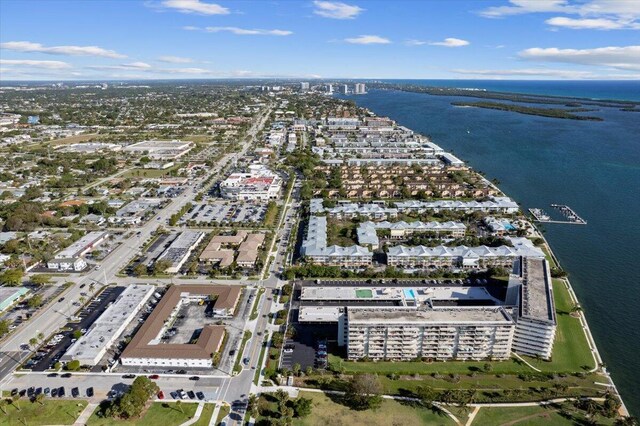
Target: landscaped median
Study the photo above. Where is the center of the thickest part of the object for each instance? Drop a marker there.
(245, 338)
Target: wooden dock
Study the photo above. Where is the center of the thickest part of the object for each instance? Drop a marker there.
(541, 216)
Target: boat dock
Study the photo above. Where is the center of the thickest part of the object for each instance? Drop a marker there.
(572, 217)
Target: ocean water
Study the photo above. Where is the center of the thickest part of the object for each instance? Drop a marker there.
(594, 167)
(627, 90)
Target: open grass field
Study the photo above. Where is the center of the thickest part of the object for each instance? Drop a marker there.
(533, 416)
(160, 413)
(73, 139)
(57, 412)
(327, 412)
(148, 173)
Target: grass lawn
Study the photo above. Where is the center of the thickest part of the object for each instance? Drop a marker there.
(160, 413)
(254, 309)
(327, 412)
(205, 416)
(148, 173)
(532, 416)
(224, 411)
(256, 377)
(245, 338)
(60, 412)
(341, 232)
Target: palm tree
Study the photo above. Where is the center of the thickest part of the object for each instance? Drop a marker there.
(3, 402)
(627, 421)
(576, 309)
(179, 405)
(282, 396)
(39, 398)
(33, 342)
(253, 405)
(15, 399)
(40, 336)
(591, 407)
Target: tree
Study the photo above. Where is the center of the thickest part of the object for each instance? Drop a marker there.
(3, 403)
(12, 277)
(35, 301)
(15, 400)
(40, 279)
(40, 336)
(160, 266)
(140, 269)
(302, 406)
(363, 392)
(252, 405)
(33, 342)
(426, 394)
(73, 365)
(627, 421)
(39, 398)
(296, 369)
(4, 327)
(487, 367)
(281, 396)
(179, 405)
(77, 334)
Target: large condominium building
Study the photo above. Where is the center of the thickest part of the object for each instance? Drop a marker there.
(368, 231)
(482, 257)
(259, 184)
(407, 333)
(160, 150)
(494, 204)
(315, 248)
(536, 321)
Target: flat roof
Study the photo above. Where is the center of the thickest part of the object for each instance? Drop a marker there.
(536, 293)
(382, 316)
(210, 339)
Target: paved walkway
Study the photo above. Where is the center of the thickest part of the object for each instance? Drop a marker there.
(86, 413)
(196, 415)
(214, 416)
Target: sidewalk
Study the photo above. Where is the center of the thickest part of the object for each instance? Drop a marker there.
(86, 413)
(196, 415)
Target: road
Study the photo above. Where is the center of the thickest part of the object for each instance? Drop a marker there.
(53, 316)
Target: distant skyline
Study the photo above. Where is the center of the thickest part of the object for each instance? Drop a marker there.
(307, 39)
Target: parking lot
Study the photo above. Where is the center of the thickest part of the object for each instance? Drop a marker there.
(303, 347)
(50, 353)
(220, 212)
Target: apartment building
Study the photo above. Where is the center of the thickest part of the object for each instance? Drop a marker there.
(536, 318)
(482, 257)
(315, 248)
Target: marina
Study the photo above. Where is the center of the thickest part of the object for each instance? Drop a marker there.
(571, 216)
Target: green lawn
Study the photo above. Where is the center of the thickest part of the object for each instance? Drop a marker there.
(148, 173)
(532, 416)
(327, 412)
(60, 412)
(254, 309)
(224, 411)
(160, 413)
(256, 377)
(205, 416)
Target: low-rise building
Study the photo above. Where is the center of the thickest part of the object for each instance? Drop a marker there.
(147, 349)
(9, 295)
(179, 250)
(104, 332)
(315, 248)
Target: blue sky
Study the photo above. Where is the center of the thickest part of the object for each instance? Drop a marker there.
(506, 39)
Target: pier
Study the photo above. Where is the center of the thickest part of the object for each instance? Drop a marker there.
(572, 217)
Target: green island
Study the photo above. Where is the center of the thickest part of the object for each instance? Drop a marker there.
(542, 112)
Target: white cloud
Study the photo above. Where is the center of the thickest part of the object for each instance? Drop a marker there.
(625, 58)
(413, 42)
(592, 23)
(175, 59)
(336, 10)
(51, 65)
(592, 14)
(184, 71)
(527, 73)
(239, 31)
(450, 42)
(141, 66)
(195, 6)
(368, 39)
(27, 46)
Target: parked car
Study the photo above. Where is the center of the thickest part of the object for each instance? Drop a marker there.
(75, 392)
(90, 392)
(200, 395)
(154, 377)
(47, 391)
(160, 395)
(194, 378)
(191, 395)
(54, 392)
